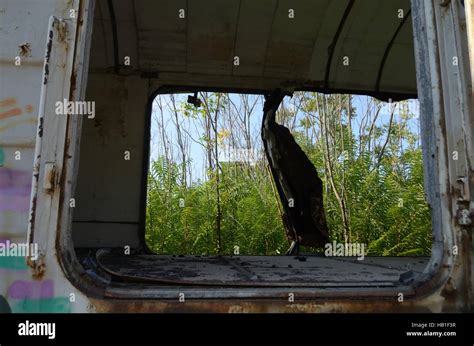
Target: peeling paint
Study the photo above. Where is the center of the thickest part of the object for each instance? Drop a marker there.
(49, 46)
(38, 267)
(25, 49)
(40, 127)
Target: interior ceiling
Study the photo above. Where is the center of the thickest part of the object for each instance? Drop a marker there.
(306, 52)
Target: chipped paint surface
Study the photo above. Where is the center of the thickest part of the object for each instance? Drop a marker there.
(24, 35)
(25, 49)
(259, 306)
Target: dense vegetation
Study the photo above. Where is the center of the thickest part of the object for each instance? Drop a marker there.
(367, 153)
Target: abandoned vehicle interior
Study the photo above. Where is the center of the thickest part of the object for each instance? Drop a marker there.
(143, 49)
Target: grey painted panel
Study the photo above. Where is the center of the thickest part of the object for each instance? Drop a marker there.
(109, 187)
(105, 235)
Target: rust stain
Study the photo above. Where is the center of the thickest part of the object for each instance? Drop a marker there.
(8, 102)
(11, 113)
(50, 177)
(252, 306)
(38, 268)
(29, 108)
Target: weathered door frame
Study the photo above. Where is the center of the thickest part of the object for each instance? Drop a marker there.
(57, 141)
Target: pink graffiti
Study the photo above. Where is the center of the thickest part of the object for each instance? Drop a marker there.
(15, 188)
(31, 289)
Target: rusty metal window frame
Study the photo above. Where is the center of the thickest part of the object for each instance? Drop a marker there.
(430, 22)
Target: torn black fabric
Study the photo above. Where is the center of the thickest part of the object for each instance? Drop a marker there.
(297, 182)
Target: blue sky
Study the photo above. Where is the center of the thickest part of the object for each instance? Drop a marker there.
(194, 132)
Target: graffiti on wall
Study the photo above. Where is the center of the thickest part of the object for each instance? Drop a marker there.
(15, 189)
(28, 295)
(19, 292)
(8, 108)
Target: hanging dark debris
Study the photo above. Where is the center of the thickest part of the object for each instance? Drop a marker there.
(194, 100)
(296, 180)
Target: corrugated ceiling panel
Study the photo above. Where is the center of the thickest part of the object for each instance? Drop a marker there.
(292, 40)
(269, 44)
(253, 31)
(211, 30)
(162, 35)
